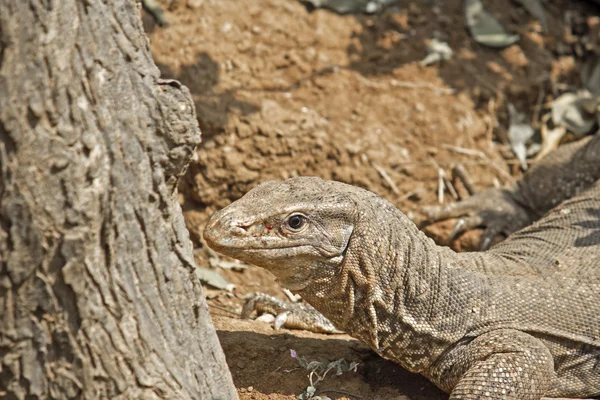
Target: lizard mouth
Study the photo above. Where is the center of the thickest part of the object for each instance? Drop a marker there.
(236, 240)
(255, 249)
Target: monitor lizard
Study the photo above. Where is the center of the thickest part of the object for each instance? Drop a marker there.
(518, 321)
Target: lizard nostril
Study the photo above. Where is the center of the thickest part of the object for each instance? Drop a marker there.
(244, 227)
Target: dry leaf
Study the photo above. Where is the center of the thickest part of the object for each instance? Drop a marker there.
(484, 28)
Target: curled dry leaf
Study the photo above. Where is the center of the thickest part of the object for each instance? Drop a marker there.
(213, 278)
(437, 51)
(484, 28)
(574, 111)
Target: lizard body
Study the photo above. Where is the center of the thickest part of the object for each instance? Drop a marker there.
(521, 320)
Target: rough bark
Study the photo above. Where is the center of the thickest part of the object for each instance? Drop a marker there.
(98, 295)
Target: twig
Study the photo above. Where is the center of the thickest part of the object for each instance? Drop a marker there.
(415, 192)
(502, 172)
(493, 121)
(422, 85)
(468, 152)
(386, 177)
(450, 187)
(448, 165)
(459, 172)
(490, 86)
(225, 309)
(481, 155)
(443, 182)
(440, 186)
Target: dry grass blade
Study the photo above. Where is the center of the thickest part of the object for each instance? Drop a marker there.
(416, 192)
(468, 152)
(386, 177)
(482, 155)
(440, 190)
(459, 172)
(450, 187)
(224, 309)
(422, 85)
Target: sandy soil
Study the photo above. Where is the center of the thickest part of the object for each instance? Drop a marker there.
(282, 91)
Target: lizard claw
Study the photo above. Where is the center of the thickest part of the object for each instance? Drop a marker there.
(280, 320)
(489, 235)
(288, 315)
(495, 209)
(465, 224)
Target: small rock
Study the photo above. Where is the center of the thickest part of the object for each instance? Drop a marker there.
(194, 3)
(267, 318)
(371, 7)
(226, 27)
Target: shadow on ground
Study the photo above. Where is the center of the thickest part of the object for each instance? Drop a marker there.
(399, 36)
(213, 107)
(260, 359)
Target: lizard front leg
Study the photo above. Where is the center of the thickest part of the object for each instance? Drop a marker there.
(501, 364)
(288, 315)
(560, 175)
(496, 209)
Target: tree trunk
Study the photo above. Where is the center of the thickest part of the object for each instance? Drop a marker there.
(98, 294)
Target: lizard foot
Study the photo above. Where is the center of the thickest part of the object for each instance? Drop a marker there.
(288, 315)
(495, 209)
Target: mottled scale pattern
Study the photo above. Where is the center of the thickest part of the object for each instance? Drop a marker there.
(520, 321)
(501, 364)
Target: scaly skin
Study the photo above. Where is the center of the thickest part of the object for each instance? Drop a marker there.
(519, 321)
(561, 175)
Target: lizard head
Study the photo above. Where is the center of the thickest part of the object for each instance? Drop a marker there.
(294, 228)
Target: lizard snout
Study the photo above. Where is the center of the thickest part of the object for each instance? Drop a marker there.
(224, 230)
(220, 230)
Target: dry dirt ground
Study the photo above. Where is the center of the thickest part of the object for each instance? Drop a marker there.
(281, 91)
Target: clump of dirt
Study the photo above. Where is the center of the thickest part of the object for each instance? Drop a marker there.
(282, 91)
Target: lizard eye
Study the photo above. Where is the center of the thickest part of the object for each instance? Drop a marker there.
(296, 221)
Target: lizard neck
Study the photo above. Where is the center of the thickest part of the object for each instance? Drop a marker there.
(387, 289)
